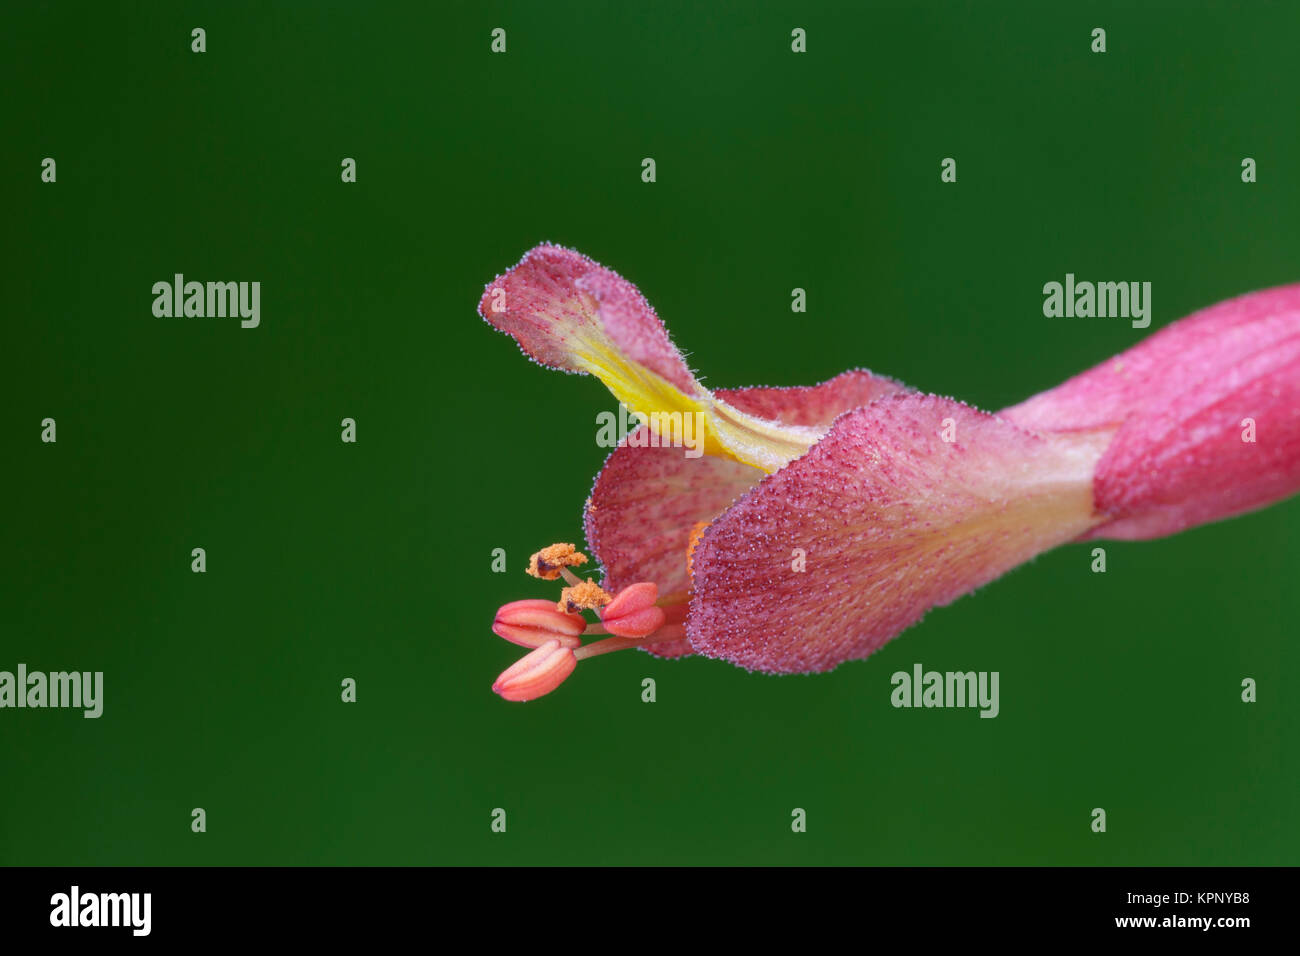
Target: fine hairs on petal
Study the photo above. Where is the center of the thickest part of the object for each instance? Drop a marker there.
(822, 521)
(884, 519)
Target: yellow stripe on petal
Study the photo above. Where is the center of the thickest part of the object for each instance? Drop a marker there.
(727, 431)
(568, 312)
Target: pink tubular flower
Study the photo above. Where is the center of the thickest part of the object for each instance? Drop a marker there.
(821, 521)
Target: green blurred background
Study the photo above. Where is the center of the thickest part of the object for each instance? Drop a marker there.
(372, 561)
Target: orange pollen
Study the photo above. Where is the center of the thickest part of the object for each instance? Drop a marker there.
(585, 595)
(548, 563)
(697, 532)
(637, 616)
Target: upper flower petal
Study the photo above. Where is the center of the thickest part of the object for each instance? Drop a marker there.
(570, 313)
(890, 520)
(564, 310)
(815, 406)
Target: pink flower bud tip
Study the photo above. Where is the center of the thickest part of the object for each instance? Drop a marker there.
(537, 673)
(633, 613)
(531, 623)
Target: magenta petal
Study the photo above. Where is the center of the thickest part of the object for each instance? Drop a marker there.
(644, 504)
(646, 500)
(1187, 464)
(816, 405)
(679, 646)
(642, 509)
(1181, 400)
(1194, 352)
(890, 520)
(555, 302)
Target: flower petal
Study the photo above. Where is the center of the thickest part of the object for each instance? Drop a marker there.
(1187, 464)
(1195, 352)
(642, 508)
(563, 308)
(892, 520)
(645, 500)
(567, 312)
(815, 406)
(1181, 399)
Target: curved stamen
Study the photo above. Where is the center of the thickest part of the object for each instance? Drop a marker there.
(637, 616)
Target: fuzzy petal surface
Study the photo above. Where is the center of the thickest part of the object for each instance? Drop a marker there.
(1180, 401)
(646, 500)
(568, 312)
(814, 406)
(892, 520)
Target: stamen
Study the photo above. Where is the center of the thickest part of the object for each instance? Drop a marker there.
(553, 560)
(533, 622)
(585, 595)
(596, 648)
(669, 632)
(633, 613)
(636, 616)
(537, 673)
